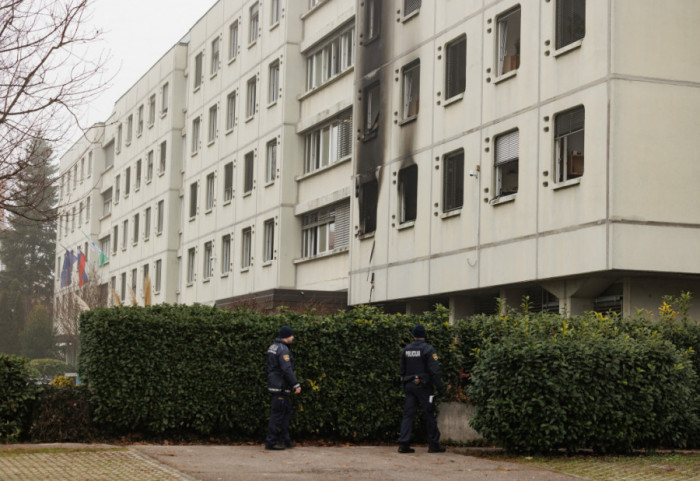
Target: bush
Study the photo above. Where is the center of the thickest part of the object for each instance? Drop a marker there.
(584, 384)
(62, 414)
(16, 396)
(50, 368)
(166, 369)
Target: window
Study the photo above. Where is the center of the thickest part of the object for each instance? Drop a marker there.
(89, 168)
(571, 21)
(371, 103)
(149, 166)
(568, 144)
(137, 185)
(195, 135)
(190, 265)
(212, 123)
(274, 85)
(246, 244)
(253, 32)
(210, 192)
(163, 155)
(508, 41)
(233, 40)
(123, 287)
(410, 93)
(408, 193)
(230, 111)
(87, 210)
(161, 216)
(372, 19)
(146, 280)
(329, 143)
(134, 273)
(109, 158)
(226, 254)
(506, 163)
(82, 169)
(72, 221)
(151, 110)
(80, 214)
(208, 261)
(135, 239)
(139, 125)
(228, 182)
(250, 106)
(117, 182)
(456, 67)
(269, 241)
(274, 12)
(453, 181)
(107, 202)
(368, 196)
(248, 179)
(104, 244)
(159, 265)
(164, 100)
(410, 6)
(198, 70)
(129, 128)
(115, 236)
(147, 224)
(214, 65)
(127, 182)
(125, 233)
(334, 56)
(271, 163)
(119, 139)
(318, 232)
(75, 176)
(193, 200)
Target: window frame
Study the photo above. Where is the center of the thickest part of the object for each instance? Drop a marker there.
(454, 87)
(499, 165)
(248, 172)
(273, 87)
(208, 261)
(226, 265)
(193, 200)
(198, 70)
(271, 161)
(246, 248)
(453, 181)
(228, 182)
(215, 56)
(233, 41)
(573, 36)
(330, 58)
(319, 154)
(191, 266)
(569, 164)
(410, 83)
(253, 23)
(213, 127)
(269, 240)
(251, 97)
(318, 232)
(196, 128)
(230, 111)
(503, 66)
(407, 187)
(210, 195)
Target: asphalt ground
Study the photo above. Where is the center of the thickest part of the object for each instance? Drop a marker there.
(71, 462)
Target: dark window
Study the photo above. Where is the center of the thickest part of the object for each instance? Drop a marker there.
(248, 180)
(568, 143)
(456, 67)
(410, 6)
(372, 18)
(453, 181)
(571, 21)
(408, 193)
(193, 199)
(368, 196)
(371, 103)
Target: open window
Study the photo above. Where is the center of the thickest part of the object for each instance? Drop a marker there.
(571, 22)
(372, 19)
(410, 90)
(408, 193)
(368, 196)
(568, 143)
(371, 104)
(506, 163)
(508, 25)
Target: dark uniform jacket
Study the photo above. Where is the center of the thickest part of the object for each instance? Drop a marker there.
(419, 360)
(280, 368)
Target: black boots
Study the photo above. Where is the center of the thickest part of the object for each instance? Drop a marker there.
(406, 448)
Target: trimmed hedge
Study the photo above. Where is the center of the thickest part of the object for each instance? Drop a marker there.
(166, 369)
(17, 392)
(62, 414)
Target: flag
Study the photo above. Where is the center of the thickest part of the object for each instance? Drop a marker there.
(103, 256)
(82, 275)
(68, 261)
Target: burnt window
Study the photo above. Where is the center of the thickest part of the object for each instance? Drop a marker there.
(372, 19)
(408, 193)
(453, 181)
(410, 6)
(456, 67)
(571, 21)
(371, 104)
(506, 163)
(368, 196)
(410, 90)
(508, 41)
(568, 143)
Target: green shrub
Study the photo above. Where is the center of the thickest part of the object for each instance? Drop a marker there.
(50, 368)
(584, 384)
(62, 414)
(16, 395)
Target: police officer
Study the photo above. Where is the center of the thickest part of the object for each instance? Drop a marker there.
(420, 372)
(281, 381)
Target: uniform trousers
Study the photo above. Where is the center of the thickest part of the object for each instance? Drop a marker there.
(280, 415)
(418, 395)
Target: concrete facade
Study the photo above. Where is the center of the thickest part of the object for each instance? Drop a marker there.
(406, 153)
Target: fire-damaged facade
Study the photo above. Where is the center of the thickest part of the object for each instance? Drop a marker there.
(403, 153)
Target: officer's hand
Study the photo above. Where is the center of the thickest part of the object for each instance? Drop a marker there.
(298, 390)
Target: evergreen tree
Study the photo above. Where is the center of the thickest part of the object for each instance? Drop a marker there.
(27, 244)
(9, 331)
(38, 340)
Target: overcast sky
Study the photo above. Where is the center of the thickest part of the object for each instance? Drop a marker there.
(136, 33)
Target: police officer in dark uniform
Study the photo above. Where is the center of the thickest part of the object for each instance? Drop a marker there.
(281, 381)
(420, 373)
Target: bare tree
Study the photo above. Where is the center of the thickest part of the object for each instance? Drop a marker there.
(45, 79)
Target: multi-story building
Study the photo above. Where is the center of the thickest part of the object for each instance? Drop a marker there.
(406, 153)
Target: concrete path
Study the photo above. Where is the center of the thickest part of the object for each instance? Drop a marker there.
(229, 463)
